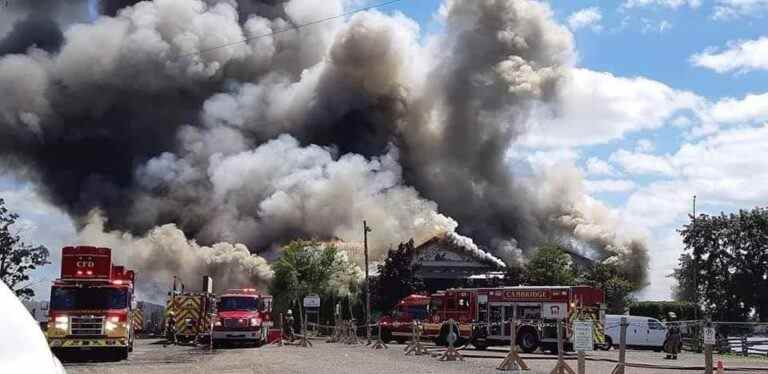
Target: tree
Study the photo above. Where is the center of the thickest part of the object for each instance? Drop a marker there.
(609, 278)
(550, 266)
(726, 264)
(397, 278)
(310, 267)
(17, 259)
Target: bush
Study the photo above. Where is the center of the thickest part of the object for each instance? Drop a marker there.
(661, 309)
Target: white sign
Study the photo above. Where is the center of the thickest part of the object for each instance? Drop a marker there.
(582, 336)
(709, 335)
(312, 301)
(554, 310)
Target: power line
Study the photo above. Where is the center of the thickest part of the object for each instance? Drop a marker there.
(296, 27)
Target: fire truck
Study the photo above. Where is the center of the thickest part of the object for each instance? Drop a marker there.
(243, 316)
(190, 313)
(91, 304)
(482, 315)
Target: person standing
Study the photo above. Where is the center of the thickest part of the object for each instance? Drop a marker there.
(289, 322)
(672, 345)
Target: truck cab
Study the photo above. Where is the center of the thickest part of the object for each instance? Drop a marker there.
(91, 307)
(242, 316)
(398, 324)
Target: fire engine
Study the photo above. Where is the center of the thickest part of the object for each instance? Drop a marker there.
(243, 316)
(190, 313)
(91, 304)
(481, 315)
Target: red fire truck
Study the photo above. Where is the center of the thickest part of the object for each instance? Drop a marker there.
(91, 304)
(242, 316)
(481, 314)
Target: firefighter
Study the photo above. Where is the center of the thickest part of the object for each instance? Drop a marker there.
(672, 345)
(289, 321)
(170, 328)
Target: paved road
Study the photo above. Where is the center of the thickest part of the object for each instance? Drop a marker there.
(151, 358)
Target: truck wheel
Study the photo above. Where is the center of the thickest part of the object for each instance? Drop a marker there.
(122, 354)
(479, 345)
(386, 335)
(528, 340)
(608, 343)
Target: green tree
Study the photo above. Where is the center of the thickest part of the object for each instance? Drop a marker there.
(396, 279)
(17, 259)
(310, 267)
(609, 278)
(550, 266)
(726, 267)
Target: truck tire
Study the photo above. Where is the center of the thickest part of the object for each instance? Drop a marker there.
(608, 343)
(528, 339)
(386, 335)
(478, 338)
(122, 354)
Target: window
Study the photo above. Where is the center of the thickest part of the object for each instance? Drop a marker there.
(418, 312)
(88, 298)
(239, 303)
(655, 325)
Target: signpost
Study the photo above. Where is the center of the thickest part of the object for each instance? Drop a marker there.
(312, 308)
(582, 342)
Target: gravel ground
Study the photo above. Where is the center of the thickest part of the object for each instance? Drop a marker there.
(151, 358)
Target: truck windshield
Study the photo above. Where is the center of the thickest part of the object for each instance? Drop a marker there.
(88, 298)
(414, 311)
(239, 303)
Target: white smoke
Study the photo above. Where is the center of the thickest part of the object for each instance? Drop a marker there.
(165, 252)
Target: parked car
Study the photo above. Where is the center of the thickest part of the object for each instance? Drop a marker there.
(642, 332)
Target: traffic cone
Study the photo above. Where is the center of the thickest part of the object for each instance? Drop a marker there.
(720, 369)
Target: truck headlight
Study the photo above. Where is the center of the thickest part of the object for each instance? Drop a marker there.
(254, 322)
(217, 323)
(61, 322)
(112, 323)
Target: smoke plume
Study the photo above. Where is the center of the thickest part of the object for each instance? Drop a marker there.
(155, 113)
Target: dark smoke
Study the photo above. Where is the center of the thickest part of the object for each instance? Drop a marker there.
(32, 31)
(303, 133)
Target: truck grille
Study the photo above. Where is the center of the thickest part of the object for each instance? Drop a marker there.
(235, 322)
(87, 325)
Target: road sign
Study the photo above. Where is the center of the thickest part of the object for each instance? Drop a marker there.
(709, 336)
(582, 336)
(312, 301)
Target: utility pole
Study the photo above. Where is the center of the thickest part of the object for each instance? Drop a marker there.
(366, 230)
(695, 264)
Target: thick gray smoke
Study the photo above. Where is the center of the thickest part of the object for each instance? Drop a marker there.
(302, 133)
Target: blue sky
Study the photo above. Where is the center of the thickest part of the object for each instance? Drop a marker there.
(667, 99)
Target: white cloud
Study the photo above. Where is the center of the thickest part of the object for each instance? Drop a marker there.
(751, 109)
(650, 26)
(674, 4)
(644, 146)
(596, 107)
(740, 56)
(731, 9)
(609, 185)
(642, 163)
(587, 17)
(727, 171)
(596, 166)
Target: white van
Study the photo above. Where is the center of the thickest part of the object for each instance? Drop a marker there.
(642, 332)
